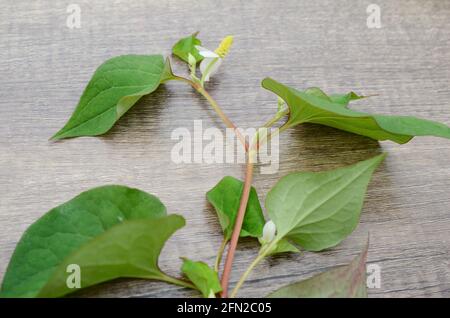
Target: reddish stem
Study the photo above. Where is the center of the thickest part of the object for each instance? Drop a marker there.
(251, 151)
(237, 228)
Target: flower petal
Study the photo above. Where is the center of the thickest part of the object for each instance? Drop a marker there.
(204, 66)
(269, 231)
(205, 52)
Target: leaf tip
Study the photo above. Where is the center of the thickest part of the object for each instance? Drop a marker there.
(57, 136)
(265, 80)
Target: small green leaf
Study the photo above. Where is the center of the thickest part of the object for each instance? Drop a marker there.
(225, 197)
(314, 106)
(345, 99)
(341, 99)
(114, 88)
(203, 277)
(347, 281)
(282, 246)
(317, 210)
(186, 46)
(110, 232)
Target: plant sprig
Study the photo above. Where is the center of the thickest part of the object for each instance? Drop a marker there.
(116, 231)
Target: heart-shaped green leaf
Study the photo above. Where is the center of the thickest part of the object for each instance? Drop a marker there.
(109, 232)
(114, 88)
(130, 249)
(203, 277)
(314, 106)
(317, 210)
(347, 281)
(186, 46)
(225, 197)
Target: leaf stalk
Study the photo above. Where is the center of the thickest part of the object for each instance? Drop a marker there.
(215, 106)
(176, 281)
(263, 253)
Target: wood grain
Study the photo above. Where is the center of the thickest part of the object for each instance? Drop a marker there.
(44, 67)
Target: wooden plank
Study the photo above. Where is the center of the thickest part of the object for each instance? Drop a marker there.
(44, 67)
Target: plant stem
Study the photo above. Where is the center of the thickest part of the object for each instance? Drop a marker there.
(251, 156)
(263, 253)
(275, 119)
(217, 109)
(220, 254)
(176, 281)
(238, 223)
(269, 124)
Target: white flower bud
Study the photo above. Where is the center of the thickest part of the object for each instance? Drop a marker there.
(191, 59)
(211, 294)
(269, 231)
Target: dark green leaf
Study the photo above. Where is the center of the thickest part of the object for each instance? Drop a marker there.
(114, 88)
(130, 249)
(314, 106)
(317, 210)
(115, 228)
(347, 281)
(225, 197)
(187, 45)
(203, 277)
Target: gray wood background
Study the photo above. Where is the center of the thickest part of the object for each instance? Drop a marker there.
(44, 66)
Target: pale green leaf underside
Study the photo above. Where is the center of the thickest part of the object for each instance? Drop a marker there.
(347, 281)
(317, 210)
(114, 88)
(225, 198)
(64, 229)
(202, 276)
(314, 106)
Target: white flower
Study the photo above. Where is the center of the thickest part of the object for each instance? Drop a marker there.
(269, 231)
(212, 60)
(210, 63)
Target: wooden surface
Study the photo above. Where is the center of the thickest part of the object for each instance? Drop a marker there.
(44, 67)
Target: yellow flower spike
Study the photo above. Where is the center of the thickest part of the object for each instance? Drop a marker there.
(224, 46)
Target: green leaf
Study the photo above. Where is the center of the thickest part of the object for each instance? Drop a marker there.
(114, 88)
(225, 197)
(110, 232)
(345, 99)
(282, 246)
(317, 210)
(314, 106)
(130, 249)
(347, 281)
(203, 277)
(187, 45)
